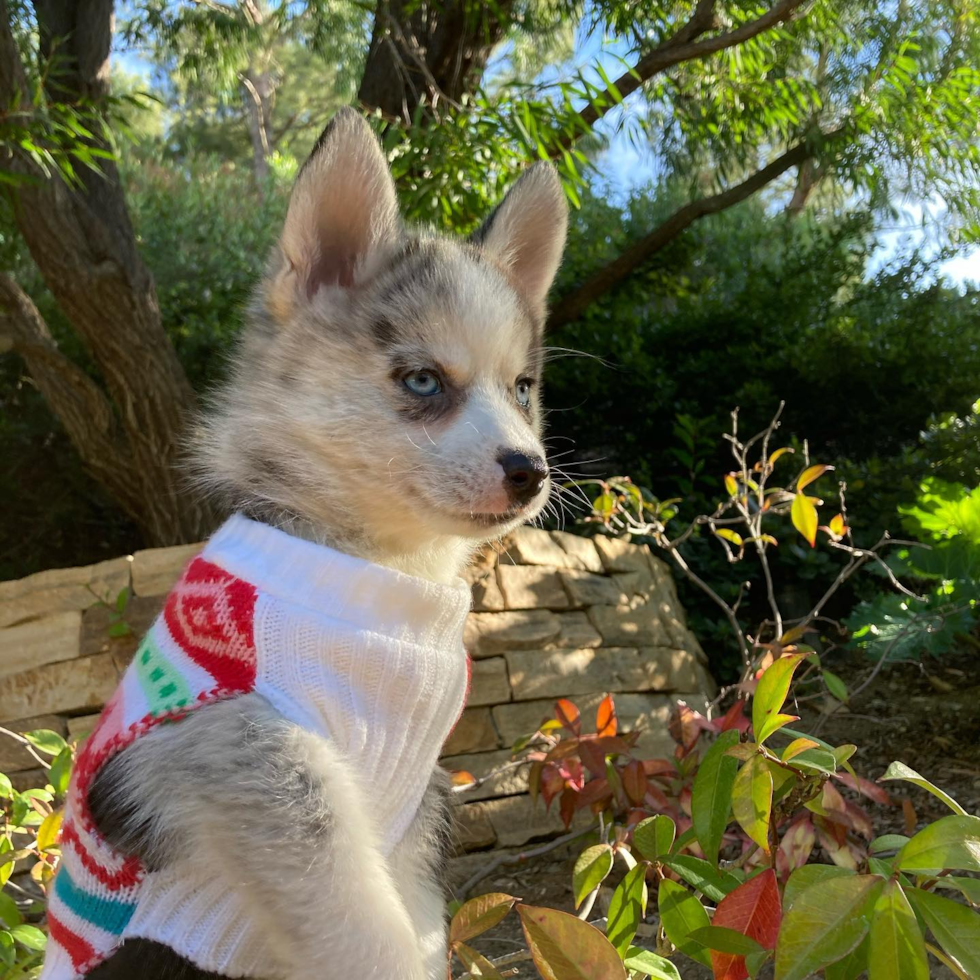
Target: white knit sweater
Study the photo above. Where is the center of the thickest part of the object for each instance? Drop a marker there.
(363, 655)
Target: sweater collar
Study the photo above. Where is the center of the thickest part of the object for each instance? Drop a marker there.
(344, 588)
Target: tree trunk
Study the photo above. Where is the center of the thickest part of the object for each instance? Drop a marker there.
(421, 53)
(259, 93)
(82, 241)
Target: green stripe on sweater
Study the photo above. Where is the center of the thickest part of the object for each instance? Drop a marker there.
(161, 682)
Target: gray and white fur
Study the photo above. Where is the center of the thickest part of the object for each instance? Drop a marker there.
(329, 427)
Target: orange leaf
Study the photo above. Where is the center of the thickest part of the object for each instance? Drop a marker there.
(605, 717)
(462, 778)
(778, 453)
(568, 715)
(810, 474)
(479, 914)
(804, 517)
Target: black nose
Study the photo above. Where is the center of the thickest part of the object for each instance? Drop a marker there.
(523, 475)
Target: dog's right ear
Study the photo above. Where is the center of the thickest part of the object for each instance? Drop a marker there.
(342, 210)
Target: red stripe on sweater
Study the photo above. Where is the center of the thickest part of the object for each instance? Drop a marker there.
(78, 949)
(128, 875)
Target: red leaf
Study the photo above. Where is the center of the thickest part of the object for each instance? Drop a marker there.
(572, 772)
(568, 715)
(635, 781)
(874, 792)
(686, 725)
(734, 717)
(567, 806)
(910, 816)
(593, 757)
(657, 798)
(796, 846)
(605, 718)
(754, 910)
(552, 784)
(534, 779)
(596, 792)
(659, 767)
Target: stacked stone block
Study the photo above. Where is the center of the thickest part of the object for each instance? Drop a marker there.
(554, 615)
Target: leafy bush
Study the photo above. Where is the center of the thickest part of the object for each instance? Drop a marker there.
(727, 835)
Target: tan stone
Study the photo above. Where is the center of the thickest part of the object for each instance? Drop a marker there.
(517, 820)
(62, 590)
(473, 828)
(581, 551)
(621, 626)
(156, 569)
(73, 685)
(14, 756)
(488, 682)
(483, 584)
(512, 780)
(81, 726)
(138, 617)
(532, 546)
(589, 589)
(487, 634)
(528, 587)
(620, 555)
(39, 642)
(679, 668)
(29, 779)
(576, 633)
(474, 732)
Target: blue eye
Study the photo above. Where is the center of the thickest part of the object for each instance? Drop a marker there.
(522, 391)
(423, 383)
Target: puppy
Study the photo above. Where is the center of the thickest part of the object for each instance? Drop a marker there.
(261, 796)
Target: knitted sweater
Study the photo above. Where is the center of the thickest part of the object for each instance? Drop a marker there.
(365, 656)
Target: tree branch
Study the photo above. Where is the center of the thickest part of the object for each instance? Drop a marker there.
(72, 395)
(573, 304)
(683, 46)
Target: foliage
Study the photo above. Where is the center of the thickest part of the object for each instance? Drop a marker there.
(947, 517)
(729, 833)
(31, 821)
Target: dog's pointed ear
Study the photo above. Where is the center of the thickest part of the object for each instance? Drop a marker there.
(526, 233)
(342, 209)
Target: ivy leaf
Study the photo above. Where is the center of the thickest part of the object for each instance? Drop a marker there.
(564, 947)
(898, 770)
(591, 869)
(654, 836)
(752, 800)
(479, 914)
(711, 795)
(825, 923)
(949, 844)
(804, 517)
(626, 908)
(681, 914)
(770, 695)
(956, 928)
(898, 949)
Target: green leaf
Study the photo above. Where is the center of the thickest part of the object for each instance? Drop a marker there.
(898, 770)
(29, 936)
(627, 907)
(6, 868)
(703, 876)
(970, 887)
(808, 876)
(564, 947)
(956, 928)
(752, 800)
(819, 760)
(476, 964)
(887, 842)
(754, 962)
(711, 796)
(770, 693)
(726, 941)
(654, 836)
(835, 685)
(824, 924)
(898, 949)
(591, 868)
(479, 914)
(60, 772)
(681, 914)
(639, 960)
(46, 741)
(6, 789)
(850, 967)
(9, 913)
(949, 844)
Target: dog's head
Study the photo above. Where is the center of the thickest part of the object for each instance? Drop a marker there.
(389, 379)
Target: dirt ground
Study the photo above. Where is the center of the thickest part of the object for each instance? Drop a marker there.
(927, 716)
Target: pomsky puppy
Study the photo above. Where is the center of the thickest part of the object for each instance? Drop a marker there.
(261, 796)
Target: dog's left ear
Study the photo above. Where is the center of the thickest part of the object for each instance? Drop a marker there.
(526, 233)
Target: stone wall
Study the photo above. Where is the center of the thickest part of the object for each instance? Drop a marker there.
(554, 615)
